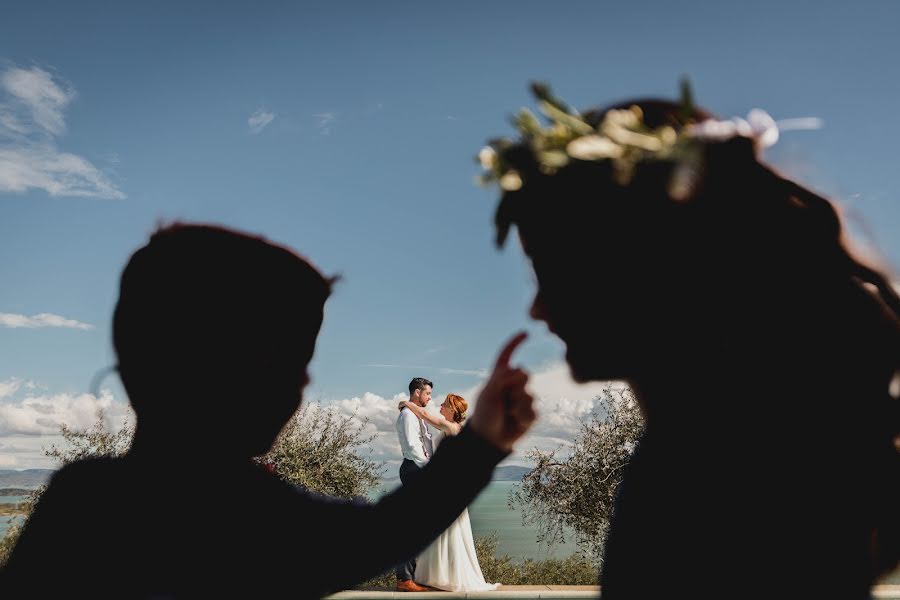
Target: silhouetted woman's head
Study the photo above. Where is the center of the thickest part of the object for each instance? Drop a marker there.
(664, 259)
(668, 255)
(214, 329)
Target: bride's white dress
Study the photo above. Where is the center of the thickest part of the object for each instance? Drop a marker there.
(450, 562)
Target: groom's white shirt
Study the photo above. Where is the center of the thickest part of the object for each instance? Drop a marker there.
(415, 439)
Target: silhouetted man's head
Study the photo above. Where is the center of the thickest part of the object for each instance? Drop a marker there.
(213, 331)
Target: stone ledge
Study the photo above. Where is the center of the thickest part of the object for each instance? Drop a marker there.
(558, 592)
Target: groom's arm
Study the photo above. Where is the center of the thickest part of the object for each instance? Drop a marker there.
(368, 539)
(411, 437)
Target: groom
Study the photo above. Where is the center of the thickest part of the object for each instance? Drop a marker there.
(415, 442)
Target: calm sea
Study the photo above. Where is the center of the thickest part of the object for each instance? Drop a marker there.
(6, 521)
(491, 514)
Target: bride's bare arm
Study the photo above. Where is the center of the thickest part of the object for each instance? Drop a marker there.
(436, 420)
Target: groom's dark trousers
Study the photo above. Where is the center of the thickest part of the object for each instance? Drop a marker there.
(408, 472)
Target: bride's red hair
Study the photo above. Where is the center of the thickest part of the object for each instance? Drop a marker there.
(459, 406)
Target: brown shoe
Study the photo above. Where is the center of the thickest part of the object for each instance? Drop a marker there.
(408, 585)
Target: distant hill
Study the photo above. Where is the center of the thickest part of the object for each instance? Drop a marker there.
(28, 478)
(15, 491)
(510, 473)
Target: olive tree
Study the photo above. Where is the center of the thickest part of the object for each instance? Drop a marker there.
(321, 450)
(571, 491)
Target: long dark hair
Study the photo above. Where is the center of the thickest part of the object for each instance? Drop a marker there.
(834, 319)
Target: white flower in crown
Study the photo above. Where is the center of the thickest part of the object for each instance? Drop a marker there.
(758, 125)
(593, 147)
(626, 127)
(511, 181)
(487, 157)
(623, 138)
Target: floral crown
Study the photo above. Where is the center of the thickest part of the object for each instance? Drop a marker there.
(622, 138)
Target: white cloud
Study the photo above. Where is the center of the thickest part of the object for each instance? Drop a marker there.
(325, 121)
(9, 387)
(40, 320)
(380, 415)
(39, 415)
(259, 120)
(562, 405)
(42, 166)
(43, 98)
(30, 420)
(20, 452)
(32, 106)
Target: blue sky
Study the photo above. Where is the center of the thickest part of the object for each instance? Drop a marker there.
(347, 131)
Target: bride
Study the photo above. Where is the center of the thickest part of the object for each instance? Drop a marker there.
(450, 562)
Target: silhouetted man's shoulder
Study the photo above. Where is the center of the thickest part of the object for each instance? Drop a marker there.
(121, 527)
(65, 530)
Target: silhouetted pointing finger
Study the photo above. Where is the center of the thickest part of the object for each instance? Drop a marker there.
(514, 379)
(507, 351)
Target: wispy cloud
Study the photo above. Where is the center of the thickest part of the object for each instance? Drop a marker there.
(325, 121)
(41, 100)
(441, 370)
(259, 120)
(473, 372)
(9, 387)
(32, 116)
(40, 320)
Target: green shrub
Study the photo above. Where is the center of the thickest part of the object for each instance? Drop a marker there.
(573, 570)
